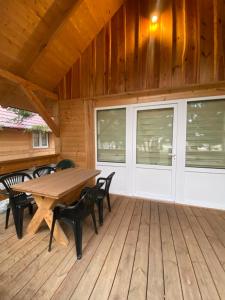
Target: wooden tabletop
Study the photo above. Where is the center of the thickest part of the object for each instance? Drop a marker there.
(58, 184)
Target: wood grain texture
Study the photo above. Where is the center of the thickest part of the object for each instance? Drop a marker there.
(57, 185)
(18, 164)
(166, 252)
(186, 47)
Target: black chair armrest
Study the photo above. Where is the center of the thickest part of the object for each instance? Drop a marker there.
(101, 179)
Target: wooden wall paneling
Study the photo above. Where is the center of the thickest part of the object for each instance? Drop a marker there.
(178, 42)
(86, 84)
(153, 59)
(128, 56)
(14, 165)
(76, 82)
(100, 63)
(108, 58)
(61, 89)
(166, 39)
(206, 12)
(144, 42)
(219, 40)
(69, 84)
(92, 68)
(118, 52)
(75, 33)
(89, 134)
(192, 47)
(132, 44)
(72, 120)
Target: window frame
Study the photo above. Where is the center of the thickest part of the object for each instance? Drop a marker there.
(40, 146)
(110, 163)
(200, 169)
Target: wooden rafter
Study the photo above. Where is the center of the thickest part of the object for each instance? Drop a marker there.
(40, 108)
(27, 84)
(83, 22)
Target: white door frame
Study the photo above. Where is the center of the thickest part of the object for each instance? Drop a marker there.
(183, 173)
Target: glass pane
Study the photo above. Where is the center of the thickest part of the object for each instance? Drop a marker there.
(44, 139)
(111, 135)
(155, 136)
(35, 139)
(205, 143)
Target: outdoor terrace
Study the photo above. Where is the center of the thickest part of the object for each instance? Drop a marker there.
(144, 250)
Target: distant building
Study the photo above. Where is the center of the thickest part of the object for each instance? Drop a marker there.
(22, 137)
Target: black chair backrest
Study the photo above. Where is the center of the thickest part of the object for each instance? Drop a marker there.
(65, 164)
(42, 171)
(88, 196)
(12, 179)
(108, 181)
(86, 202)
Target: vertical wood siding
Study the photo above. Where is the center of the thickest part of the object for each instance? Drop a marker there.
(188, 47)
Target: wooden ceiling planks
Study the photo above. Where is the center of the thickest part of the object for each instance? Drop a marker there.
(26, 27)
(40, 40)
(75, 33)
(186, 48)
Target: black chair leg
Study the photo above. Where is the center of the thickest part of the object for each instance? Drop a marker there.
(51, 232)
(30, 207)
(100, 211)
(77, 229)
(18, 219)
(7, 217)
(94, 221)
(108, 200)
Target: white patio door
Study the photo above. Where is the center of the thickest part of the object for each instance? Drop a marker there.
(154, 151)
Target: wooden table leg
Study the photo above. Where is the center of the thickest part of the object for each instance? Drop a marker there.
(44, 213)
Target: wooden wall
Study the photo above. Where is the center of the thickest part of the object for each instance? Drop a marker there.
(17, 144)
(15, 165)
(76, 130)
(187, 47)
(183, 56)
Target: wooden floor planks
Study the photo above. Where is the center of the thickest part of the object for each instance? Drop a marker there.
(144, 250)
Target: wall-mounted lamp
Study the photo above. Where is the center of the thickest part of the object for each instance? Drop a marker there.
(154, 22)
(154, 19)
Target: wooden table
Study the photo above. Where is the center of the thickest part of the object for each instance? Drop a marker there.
(59, 187)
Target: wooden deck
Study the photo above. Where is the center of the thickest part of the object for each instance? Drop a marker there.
(144, 250)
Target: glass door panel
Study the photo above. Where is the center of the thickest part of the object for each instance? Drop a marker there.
(154, 137)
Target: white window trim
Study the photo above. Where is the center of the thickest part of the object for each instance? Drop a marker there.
(40, 141)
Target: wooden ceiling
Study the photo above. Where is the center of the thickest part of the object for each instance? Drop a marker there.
(40, 41)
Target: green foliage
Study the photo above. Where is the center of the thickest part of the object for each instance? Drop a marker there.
(39, 128)
(21, 114)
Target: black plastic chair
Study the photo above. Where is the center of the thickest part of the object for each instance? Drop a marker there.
(65, 164)
(103, 193)
(42, 171)
(75, 214)
(17, 201)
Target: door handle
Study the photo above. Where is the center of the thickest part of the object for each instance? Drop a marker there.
(172, 155)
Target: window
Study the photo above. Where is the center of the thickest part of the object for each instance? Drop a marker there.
(154, 137)
(40, 139)
(205, 143)
(111, 135)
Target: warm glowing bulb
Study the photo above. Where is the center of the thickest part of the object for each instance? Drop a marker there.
(154, 19)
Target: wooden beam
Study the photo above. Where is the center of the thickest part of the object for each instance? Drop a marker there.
(27, 84)
(40, 108)
(72, 37)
